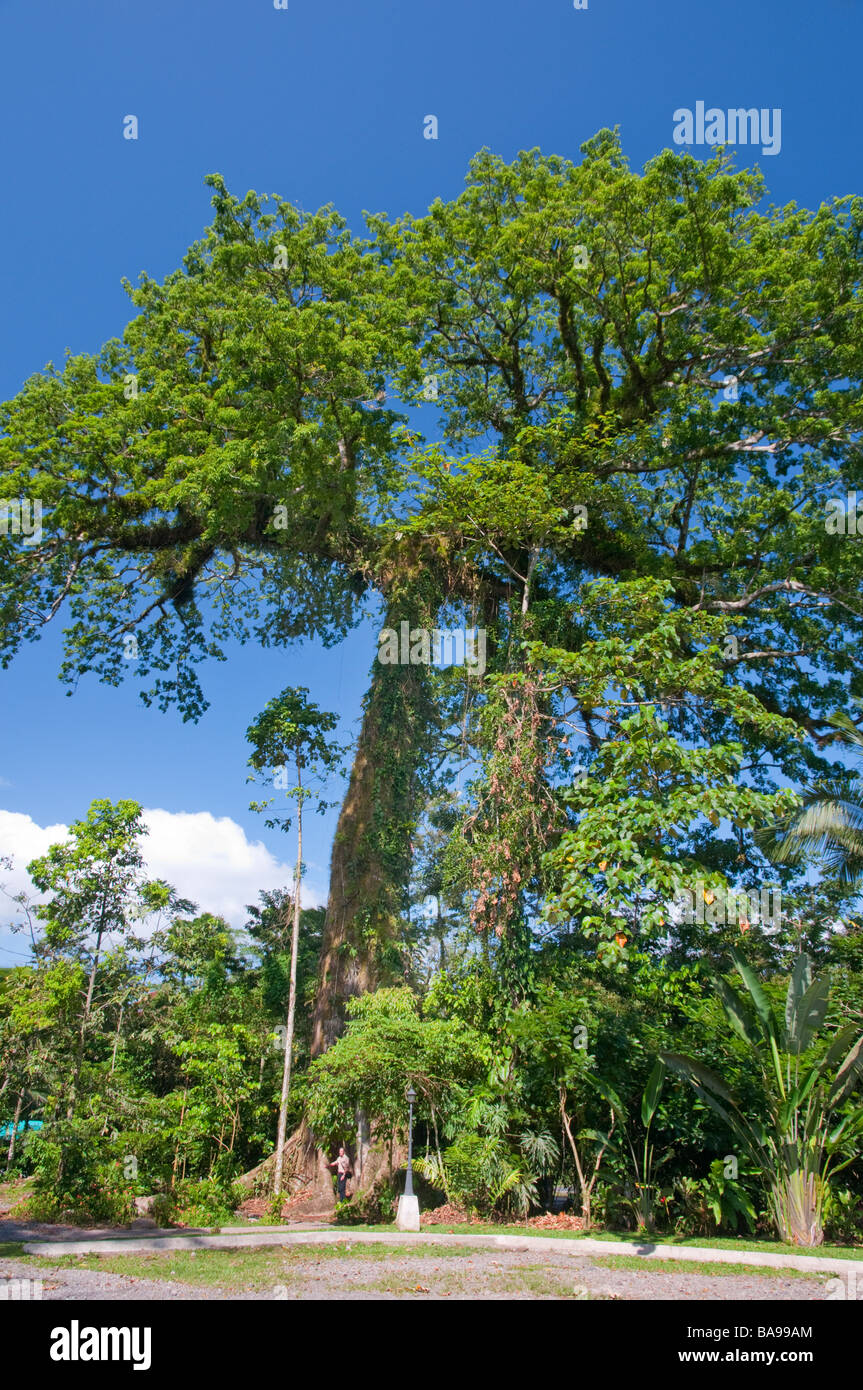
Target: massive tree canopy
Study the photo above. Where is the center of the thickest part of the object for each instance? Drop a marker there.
(630, 377)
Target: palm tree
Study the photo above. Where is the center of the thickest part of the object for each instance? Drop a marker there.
(829, 822)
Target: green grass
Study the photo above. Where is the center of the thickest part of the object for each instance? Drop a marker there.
(759, 1246)
(259, 1267)
(699, 1267)
(531, 1281)
(14, 1190)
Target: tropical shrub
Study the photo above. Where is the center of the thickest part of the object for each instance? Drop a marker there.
(843, 1216)
(713, 1203)
(373, 1207)
(483, 1174)
(76, 1183)
(208, 1202)
(805, 1130)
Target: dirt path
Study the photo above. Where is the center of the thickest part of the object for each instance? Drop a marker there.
(471, 1274)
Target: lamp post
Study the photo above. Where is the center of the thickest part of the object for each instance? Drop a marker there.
(410, 1097)
(408, 1215)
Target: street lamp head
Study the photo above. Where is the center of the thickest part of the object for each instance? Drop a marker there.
(410, 1095)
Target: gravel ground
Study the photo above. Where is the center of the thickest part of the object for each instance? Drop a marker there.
(87, 1284)
(484, 1274)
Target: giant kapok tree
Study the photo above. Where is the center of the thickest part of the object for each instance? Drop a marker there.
(642, 389)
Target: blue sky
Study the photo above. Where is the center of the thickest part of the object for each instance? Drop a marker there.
(321, 103)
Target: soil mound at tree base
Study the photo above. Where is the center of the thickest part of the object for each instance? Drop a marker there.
(261, 1208)
(558, 1221)
(450, 1215)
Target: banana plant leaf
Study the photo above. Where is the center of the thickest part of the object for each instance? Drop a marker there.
(806, 1015)
(652, 1093)
(738, 1012)
(757, 995)
(848, 1074)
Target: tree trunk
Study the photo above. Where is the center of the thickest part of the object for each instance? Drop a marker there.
(117, 1039)
(441, 933)
(369, 873)
(370, 863)
(304, 1174)
(179, 1127)
(88, 1002)
(11, 1152)
(363, 1145)
(797, 1208)
(292, 993)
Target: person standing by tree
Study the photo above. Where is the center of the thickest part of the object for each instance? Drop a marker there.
(342, 1166)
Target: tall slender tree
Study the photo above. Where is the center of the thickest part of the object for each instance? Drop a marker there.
(290, 738)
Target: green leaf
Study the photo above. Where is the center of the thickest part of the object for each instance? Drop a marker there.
(798, 1096)
(738, 1013)
(806, 1013)
(848, 1074)
(652, 1093)
(759, 998)
(837, 1048)
(610, 1095)
(697, 1073)
(801, 979)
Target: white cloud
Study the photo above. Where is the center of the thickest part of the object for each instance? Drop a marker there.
(205, 857)
(21, 839)
(208, 859)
